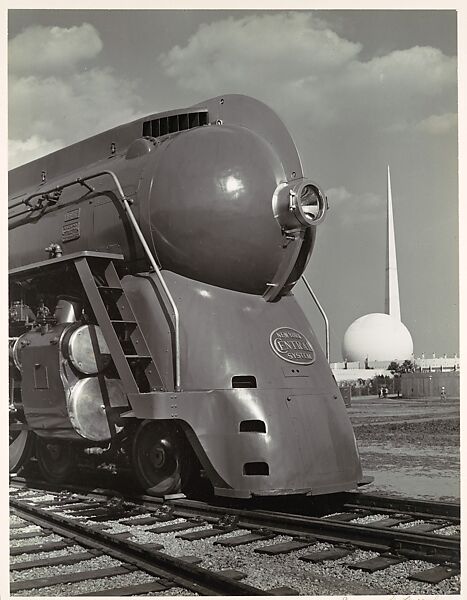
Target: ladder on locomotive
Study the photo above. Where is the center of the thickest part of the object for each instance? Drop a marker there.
(119, 326)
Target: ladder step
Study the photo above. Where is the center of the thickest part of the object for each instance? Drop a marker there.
(108, 288)
(138, 357)
(122, 322)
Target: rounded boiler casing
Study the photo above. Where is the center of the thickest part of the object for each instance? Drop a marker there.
(211, 214)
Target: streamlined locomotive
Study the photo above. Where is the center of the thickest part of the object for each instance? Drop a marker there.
(153, 328)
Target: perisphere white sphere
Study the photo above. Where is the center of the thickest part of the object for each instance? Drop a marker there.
(377, 337)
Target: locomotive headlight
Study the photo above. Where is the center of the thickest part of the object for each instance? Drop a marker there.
(308, 203)
(300, 203)
(309, 199)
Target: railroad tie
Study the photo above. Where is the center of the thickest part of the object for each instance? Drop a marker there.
(232, 574)
(388, 522)
(374, 546)
(434, 574)
(202, 534)
(20, 525)
(92, 513)
(124, 535)
(141, 521)
(244, 538)
(346, 516)
(283, 591)
(52, 561)
(132, 590)
(366, 545)
(34, 548)
(190, 559)
(68, 505)
(424, 527)
(284, 547)
(332, 554)
(67, 502)
(151, 546)
(376, 564)
(30, 584)
(30, 534)
(172, 528)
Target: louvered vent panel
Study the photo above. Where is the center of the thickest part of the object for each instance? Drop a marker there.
(174, 123)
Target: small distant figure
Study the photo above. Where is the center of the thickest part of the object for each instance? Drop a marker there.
(385, 392)
(443, 393)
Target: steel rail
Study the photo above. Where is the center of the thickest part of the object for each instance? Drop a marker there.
(442, 548)
(186, 575)
(430, 509)
(412, 506)
(427, 508)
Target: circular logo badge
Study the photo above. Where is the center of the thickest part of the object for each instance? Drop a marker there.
(292, 346)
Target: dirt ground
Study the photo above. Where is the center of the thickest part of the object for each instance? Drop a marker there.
(411, 447)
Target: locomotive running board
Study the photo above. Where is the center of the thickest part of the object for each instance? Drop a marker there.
(52, 262)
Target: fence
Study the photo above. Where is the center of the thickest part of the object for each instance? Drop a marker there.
(426, 385)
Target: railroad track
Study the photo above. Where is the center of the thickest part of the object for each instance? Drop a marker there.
(372, 545)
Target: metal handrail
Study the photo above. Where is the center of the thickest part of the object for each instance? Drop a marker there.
(321, 310)
(154, 265)
(139, 233)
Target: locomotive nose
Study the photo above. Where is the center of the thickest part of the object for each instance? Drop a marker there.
(220, 207)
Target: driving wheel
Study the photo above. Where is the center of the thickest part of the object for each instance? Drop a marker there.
(156, 458)
(56, 459)
(21, 443)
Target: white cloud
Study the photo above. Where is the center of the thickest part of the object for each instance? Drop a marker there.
(304, 70)
(23, 151)
(338, 195)
(347, 207)
(438, 124)
(49, 49)
(257, 46)
(51, 106)
(422, 69)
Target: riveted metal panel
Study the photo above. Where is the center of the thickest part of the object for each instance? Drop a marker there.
(227, 334)
(211, 419)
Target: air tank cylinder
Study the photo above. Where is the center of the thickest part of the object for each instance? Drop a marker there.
(68, 310)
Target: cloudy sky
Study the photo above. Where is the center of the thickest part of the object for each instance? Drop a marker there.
(358, 90)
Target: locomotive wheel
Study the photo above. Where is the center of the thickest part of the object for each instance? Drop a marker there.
(156, 459)
(21, 443)
(56, 459)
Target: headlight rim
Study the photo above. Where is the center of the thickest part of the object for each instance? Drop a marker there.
(296, 207)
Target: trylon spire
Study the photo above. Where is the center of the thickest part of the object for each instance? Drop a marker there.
(392, 304)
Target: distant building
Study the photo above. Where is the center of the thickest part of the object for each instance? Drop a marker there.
(356, 374)
(366, 370)
(440, 363)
